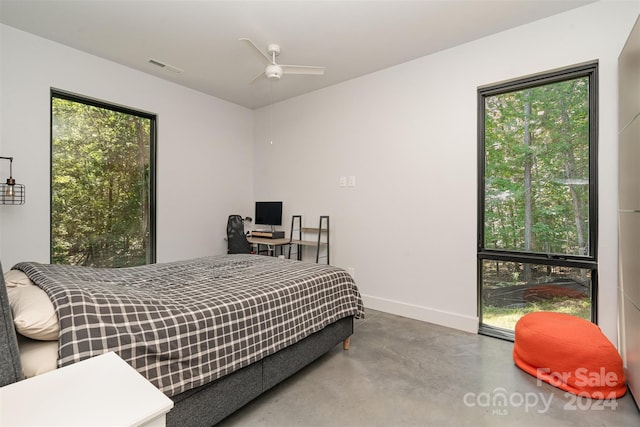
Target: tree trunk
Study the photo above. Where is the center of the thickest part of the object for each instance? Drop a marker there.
(528, 199)
(569, 166)
(142, 139)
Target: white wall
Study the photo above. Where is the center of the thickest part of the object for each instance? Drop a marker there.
(408, 135)
(205, 149)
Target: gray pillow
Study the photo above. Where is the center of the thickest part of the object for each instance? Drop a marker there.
(10, 368)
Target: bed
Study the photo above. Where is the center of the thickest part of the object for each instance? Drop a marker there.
(212, 333)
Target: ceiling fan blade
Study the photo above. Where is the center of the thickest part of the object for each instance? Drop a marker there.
(258, 77)
(264, 55)
(302, 69)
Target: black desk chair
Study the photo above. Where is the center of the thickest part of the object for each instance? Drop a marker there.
(237, 242)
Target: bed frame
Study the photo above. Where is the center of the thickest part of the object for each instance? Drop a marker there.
(208, 404)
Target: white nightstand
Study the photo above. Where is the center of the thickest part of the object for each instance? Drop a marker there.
(101, 391)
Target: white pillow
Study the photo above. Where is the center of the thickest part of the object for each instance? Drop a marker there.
(17, 278)
(33, 312)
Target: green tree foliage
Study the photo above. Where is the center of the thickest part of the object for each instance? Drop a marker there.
(99, 186)
(537, 169)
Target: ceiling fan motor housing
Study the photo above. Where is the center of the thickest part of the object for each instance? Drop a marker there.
(273, 71)
(273, 49)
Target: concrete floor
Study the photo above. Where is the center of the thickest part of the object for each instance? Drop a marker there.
(403, 372)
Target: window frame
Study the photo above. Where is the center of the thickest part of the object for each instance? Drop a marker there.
(69, 96)
(588, 261)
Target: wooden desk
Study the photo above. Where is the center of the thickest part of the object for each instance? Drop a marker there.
(269, 243)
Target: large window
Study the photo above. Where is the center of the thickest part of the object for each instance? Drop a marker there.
(102, 183)
(537, 221)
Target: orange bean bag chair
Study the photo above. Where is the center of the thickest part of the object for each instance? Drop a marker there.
(569, 353)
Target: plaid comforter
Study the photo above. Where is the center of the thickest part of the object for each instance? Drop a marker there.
(184, 324)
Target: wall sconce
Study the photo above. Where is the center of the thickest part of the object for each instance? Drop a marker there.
(11, 193)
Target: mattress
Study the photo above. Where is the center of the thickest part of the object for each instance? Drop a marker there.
(37, 357)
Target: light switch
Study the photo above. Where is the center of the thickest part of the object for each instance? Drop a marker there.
(352, 181)
(343, 181)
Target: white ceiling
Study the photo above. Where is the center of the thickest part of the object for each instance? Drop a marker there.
(349, 38)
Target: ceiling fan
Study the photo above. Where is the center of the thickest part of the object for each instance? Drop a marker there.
(274, 71)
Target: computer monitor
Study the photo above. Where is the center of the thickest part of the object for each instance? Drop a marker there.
(269, 213)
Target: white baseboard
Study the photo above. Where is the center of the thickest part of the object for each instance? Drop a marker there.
(425, 314)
